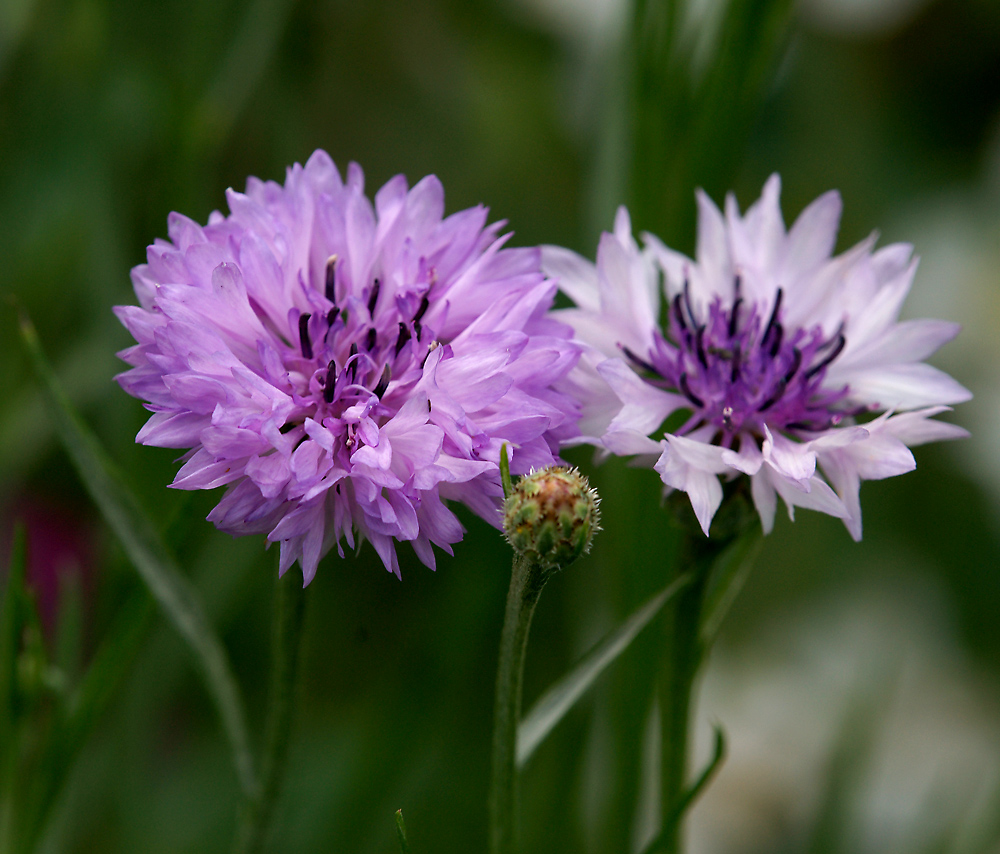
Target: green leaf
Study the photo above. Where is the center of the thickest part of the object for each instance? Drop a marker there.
(404, 846)
(560, 698)
(175, 595)
(690, 794)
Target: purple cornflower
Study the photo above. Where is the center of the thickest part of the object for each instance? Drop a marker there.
(344, 367)
(774, 359)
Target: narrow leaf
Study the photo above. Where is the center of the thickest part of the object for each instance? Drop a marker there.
(404, 846)
(690, 794)
(560, 698)
(170, 588)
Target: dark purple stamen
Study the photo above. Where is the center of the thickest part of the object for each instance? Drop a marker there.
(331, 315)
(353, 362)
(779, 392)
(383, 383)
(371, 338)
(642, 363)
(774, 316)
(421, 310)
(829, 357)
(782, 386)
(735, 311)
(796, 364)
(679, 312)
(373, 299)
(699, 343)
(306, 344)
(402, 337)
(331, 381)
(832, 338)
(690, 395)
(331, 278)
(779, 333)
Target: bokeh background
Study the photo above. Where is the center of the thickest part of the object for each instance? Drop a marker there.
(859, 683)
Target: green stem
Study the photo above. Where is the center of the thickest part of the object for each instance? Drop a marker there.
(683, 655)
(717, 568)
(287, 644)
(526, 583)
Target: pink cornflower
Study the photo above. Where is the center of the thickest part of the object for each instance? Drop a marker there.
(343, 367)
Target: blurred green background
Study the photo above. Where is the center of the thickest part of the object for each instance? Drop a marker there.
(114, 113)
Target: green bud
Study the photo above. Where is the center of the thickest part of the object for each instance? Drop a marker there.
(551, 516)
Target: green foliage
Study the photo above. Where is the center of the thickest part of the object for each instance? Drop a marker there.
(113, 114)
(168, 586)
(553, 705)
(696, 89)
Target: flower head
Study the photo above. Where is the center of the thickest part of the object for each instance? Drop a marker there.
(775, 360)
(344, 366)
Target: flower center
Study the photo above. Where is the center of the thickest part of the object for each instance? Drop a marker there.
(350, 352)
(740, 372)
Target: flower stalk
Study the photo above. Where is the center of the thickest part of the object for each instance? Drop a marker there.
(550, 518)
(683, 655)
(526, 582)
(289, 612)
(716, 568)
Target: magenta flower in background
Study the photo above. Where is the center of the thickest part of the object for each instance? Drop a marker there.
(776, 361)
(344, 368)
(60, 550)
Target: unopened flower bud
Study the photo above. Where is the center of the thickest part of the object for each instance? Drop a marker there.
(551, 516)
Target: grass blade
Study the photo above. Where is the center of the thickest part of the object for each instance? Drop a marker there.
(404, 846)
(691, 794)
(560, 698)
(172, 591)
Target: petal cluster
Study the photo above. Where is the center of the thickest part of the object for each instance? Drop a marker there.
(345, 367)
(764, 356)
